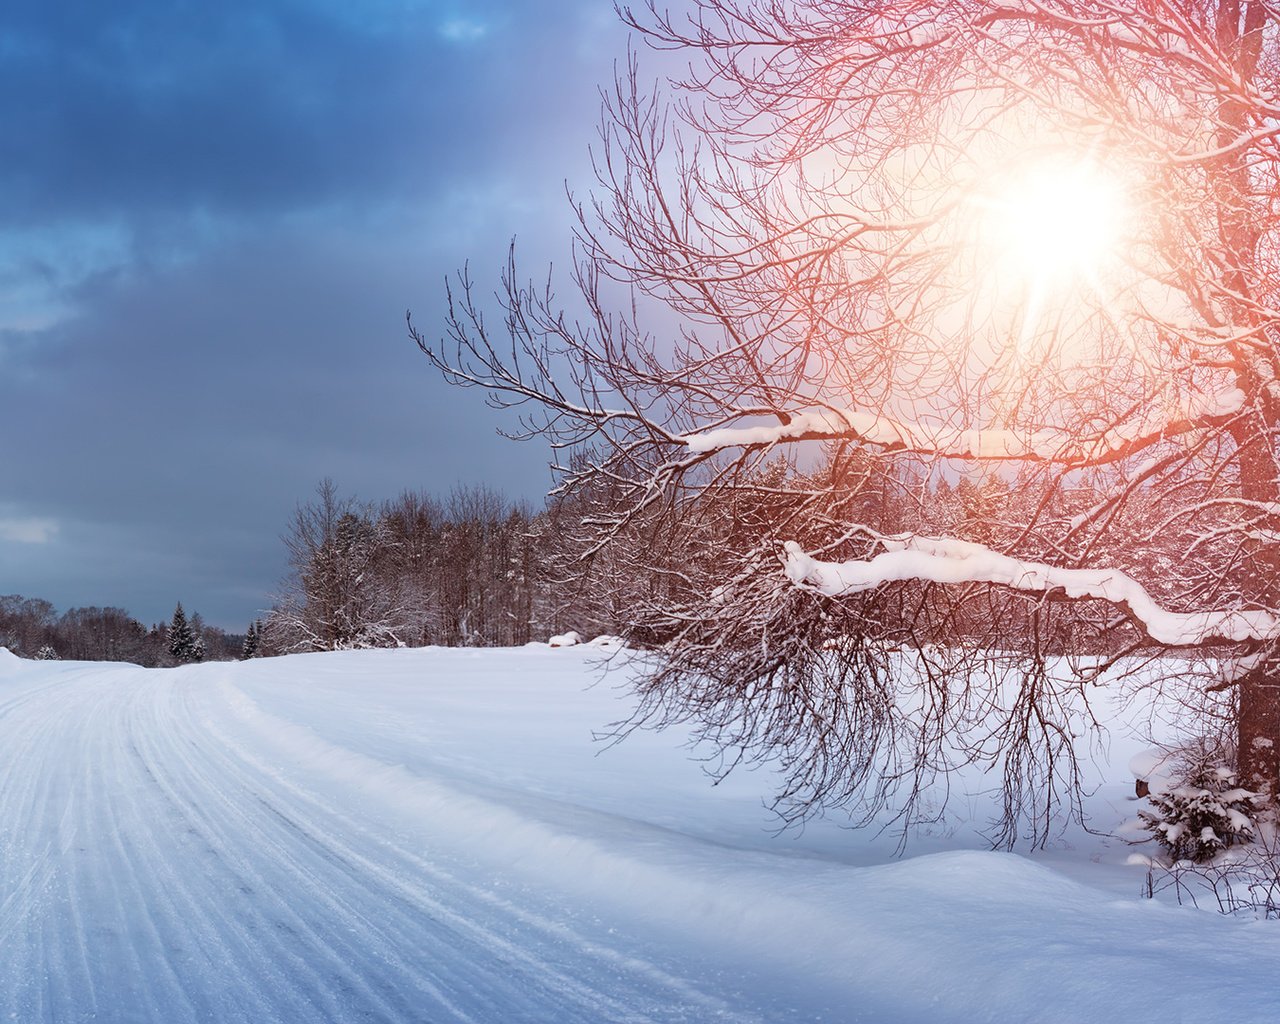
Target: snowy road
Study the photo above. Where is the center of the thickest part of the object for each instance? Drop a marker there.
(392, 839)
(155, 869)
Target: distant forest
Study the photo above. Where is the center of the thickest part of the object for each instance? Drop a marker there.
(472, 569)
(475, 569)
(32, 628)
(469, 569)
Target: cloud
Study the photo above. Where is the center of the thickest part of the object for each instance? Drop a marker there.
(234, 106)
(212, 218)
(246, 106)
(28, 531)
(136, 133)
(463, 30)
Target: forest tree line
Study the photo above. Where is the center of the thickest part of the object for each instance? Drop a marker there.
(470, 569)
(474, 568)
(32, 627)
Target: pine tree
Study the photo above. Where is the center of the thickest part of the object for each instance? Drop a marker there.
(196, 623)
(250, 649)
(1200, 809)
(182, 641)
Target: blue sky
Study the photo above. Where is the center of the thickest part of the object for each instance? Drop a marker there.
(212, 219)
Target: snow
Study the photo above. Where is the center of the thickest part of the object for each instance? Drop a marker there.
(434, 835)
(1152, 425)
(1156, 767)
(943, 560)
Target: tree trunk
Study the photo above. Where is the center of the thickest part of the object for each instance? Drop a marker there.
(1239, 27)
(1258, 717)
(1258, 730)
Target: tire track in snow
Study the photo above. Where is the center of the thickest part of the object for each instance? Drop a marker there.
(456, 907)
(159, 867)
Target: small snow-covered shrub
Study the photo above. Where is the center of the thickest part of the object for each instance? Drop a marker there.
(1197, 808)
(47, 653)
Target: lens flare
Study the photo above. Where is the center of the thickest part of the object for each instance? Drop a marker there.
(1057, 223)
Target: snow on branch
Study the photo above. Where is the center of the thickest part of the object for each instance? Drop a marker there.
(1041, 445)
(942, 560)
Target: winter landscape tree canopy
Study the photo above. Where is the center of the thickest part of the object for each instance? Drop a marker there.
(472, 569)
(931, 351)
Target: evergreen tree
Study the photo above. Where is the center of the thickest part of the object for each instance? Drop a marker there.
(196, 623)
(183, 643)
(250, 649)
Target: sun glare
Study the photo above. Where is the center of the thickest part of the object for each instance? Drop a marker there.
(1055, 223)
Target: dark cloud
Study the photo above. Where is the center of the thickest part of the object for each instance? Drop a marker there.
(245, 107)
(212, 217)
(140, 131)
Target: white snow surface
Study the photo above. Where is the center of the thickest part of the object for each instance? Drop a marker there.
(434, 835)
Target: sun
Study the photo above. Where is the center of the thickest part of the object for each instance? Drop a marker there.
(1049, 244)
(1055, 222)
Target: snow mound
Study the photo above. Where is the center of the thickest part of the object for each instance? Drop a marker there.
(1156, 767)
(605, 642)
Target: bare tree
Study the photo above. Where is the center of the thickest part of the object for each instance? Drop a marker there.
(465, 568)
(410, 529)
(414, 571)
(334, 599)
(887, 245)
(101, 634)
(26, 623)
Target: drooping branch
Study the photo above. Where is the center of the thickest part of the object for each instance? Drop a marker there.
(944, 560)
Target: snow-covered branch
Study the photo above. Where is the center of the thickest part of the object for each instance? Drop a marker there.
(943, 560)
(1059, 446)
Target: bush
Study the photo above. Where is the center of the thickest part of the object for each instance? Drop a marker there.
(1197, 808)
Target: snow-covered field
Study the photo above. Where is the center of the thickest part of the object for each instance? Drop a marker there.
(434, 836)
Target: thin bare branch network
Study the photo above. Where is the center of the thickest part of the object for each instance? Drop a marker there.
(1003, 277)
